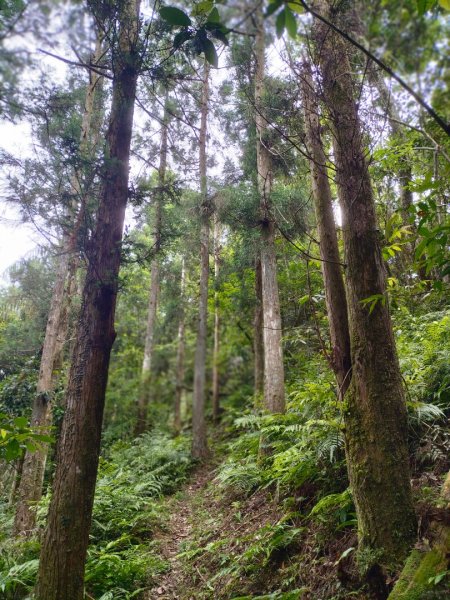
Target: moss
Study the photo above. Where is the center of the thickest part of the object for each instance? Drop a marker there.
(414, 582)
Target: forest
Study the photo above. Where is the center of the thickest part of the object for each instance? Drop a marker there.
(225, 363)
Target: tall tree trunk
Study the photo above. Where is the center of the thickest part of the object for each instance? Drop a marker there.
(335, 296)
(63, 554)
(258, 334)
(215, 372)
(374, 410)
(274, 400)
(31, 483)
(179, 376)
(199, 440)
(353, 22)
(146, 373)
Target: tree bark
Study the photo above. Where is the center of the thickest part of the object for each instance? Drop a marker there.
(199, 440)
(146, 373)
(179, 386)
(374, 409)
(335, 296)
(417, 579)
(63, 554)
(355, 25)
(31, 483)
(215, 372)
(258, 335)
(274, 400)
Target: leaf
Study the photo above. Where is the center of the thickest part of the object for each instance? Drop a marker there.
(220, 35)
(273, 7)
(181, 37)
(296, 7)
(175, 16)
(12, 450)
(31, 447)
(280, 23)
(21, 422)
(210, 52)
(422, 6)
(291, 23)
(214, 16)
(445, 4)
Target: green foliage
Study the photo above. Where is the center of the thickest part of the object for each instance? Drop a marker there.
(16, 437)
(304, 445)
(122, 557)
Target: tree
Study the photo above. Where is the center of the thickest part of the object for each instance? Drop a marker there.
(333, 280)
(66, 538)
(274, 400)
(180, 359)
(30, 488)
(216, 372)
(374, 409)
(144, 395)
(199, 440)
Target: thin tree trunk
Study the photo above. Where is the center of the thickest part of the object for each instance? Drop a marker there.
(179, 386)
(215, 373)
(335, 296)
(63, 554)
(375, 410)
(258, 335)
(146, 373)
(274, 400)
(199, 440)
(17, 475)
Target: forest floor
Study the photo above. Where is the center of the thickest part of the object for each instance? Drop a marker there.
(177, 531)
(222, 547)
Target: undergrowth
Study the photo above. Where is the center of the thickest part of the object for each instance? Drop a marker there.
(123, 559)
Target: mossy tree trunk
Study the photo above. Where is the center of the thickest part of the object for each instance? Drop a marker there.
(426, 572)
(375, 409)
(63, 554)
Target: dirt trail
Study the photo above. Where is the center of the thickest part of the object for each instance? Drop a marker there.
(171, 585)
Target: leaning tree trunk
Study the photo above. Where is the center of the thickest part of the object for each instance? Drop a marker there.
(374, 410)
(179, 376)
(215, 371)
(354, 23)
(61, 570)
(274, 400)
(31, 483)
(335, 296)
(146, 373)
(199, 441)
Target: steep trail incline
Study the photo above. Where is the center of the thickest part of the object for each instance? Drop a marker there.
(174, 584)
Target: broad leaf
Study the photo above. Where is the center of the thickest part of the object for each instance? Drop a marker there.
(181, 37)
(175, 16)
(273, 7)
(296, 7)
(291, 23)
(210, 53)
(214, 16)
(280, 23)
